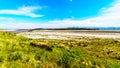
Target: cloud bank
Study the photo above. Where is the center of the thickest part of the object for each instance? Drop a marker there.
(7, 19)
(24, 11)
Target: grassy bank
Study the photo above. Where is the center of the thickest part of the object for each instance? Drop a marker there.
(21, 52)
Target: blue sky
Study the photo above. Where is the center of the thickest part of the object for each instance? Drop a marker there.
(59, 13)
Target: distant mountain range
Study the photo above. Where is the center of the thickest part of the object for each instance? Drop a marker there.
(83, 28)
(71, 28)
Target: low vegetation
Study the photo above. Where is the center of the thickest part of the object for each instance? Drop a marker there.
(84, 52)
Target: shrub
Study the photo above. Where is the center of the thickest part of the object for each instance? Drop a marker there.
(68, 57)
(15, 56)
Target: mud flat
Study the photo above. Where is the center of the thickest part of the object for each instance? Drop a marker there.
(69, 34)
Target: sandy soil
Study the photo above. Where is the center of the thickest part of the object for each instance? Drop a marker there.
(65, 35)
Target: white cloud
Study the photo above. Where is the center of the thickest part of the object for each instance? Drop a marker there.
(24, 11)
(4, 18)
(109, 17)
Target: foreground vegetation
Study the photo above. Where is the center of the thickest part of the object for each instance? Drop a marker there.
(84, 52)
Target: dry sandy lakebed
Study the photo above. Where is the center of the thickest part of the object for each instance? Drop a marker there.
(69, 34)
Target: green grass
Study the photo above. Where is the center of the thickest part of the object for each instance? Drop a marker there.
(21, 52)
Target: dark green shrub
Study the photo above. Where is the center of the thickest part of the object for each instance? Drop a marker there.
(37, 55)
(15, 56)
(1, 58)
(68, 57)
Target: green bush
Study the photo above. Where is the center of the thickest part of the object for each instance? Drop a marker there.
(17, 55)
(67, 58)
